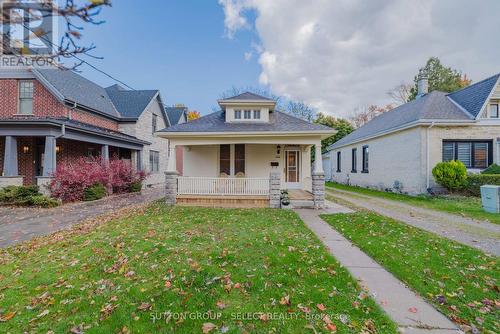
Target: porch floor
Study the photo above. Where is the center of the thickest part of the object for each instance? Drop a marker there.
(299, 195)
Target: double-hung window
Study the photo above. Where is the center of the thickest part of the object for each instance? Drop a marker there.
(247, 114)
(26, 97)
(237, 114)
(354, 162)
(237, 157)
(365, 159)
(494, 112)
(154, 161)
(256, 114)
(339, 161)
(473, 154)
(225, 159)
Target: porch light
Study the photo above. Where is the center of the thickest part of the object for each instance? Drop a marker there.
(26, 149)
(58, 149)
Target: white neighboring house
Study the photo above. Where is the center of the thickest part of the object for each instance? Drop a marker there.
(237, 155)
(398, 149)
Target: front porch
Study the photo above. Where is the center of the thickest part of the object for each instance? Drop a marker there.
(245, 174)
(29, 153)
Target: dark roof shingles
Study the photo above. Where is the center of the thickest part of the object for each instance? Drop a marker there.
(175, 113)
(130, 103)
(248, 96)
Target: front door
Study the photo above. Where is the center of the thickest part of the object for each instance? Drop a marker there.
(292, 169)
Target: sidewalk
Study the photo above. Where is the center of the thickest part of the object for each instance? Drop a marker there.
(20, 224)
(412, 314)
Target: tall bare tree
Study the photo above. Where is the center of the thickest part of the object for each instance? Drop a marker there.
(400, 94)
(363, 115)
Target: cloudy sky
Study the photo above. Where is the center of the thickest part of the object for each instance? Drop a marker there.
(336, 55)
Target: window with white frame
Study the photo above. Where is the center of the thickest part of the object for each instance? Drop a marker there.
(494, 112)
(26, 97)
(256, 114)
(237, 114)
(247, 114)
(154, 161)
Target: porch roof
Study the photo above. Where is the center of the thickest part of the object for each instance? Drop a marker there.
(69, 129)
(215, 124)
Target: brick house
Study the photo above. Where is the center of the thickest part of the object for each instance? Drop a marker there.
(49, 116)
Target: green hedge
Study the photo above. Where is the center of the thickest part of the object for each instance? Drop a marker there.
(475, 181)
(25, 196)
(95, 192)
(493, 169)
(135, 187)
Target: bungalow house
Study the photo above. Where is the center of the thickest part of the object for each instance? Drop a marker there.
(50, 116)
(398, 149)
(244, 154)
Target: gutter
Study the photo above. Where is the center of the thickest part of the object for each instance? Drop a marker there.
(427, 162)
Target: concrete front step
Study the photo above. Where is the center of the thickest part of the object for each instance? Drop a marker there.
(301, 204)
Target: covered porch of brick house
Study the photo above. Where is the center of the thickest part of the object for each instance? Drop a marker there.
(29, 153)
(246, 172)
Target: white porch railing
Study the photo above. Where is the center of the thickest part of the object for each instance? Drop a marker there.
(223, 186)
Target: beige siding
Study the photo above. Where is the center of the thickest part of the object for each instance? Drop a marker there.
(395, 157)
(203, 160)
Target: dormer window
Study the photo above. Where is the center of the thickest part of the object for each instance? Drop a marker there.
(494, 112)
(237, 114)
(248, 114)
(256, 114)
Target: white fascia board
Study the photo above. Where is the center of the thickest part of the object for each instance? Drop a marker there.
(323, 134)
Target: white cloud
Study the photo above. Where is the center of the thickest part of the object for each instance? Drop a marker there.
(341, 54)
(248, 55)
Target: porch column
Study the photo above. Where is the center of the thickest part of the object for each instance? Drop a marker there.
(274, 189)
(49, 157)
(105, 153)
(138, 154)
(10, 157)
(318, 179)
(171, 177)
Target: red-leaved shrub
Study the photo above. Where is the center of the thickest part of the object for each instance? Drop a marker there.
(71, 179)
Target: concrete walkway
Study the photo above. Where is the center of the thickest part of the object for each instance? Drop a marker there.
(412, 314)
(478, 234)
(20, 224)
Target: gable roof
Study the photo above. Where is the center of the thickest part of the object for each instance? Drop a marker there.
(216, 122)
(74, 88)
(130, 103)
(463, 106)
(433, 106)
(473, 97)
(175, 113)
(248, 96)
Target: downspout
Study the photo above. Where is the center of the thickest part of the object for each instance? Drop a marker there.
(428, 154)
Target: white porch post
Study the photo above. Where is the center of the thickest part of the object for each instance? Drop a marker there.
(171, 177)
(318, 163)
(10, 166)
(49, 157)
(318, 179)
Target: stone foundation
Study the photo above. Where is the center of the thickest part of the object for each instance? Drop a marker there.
(318, 190)
(274, 190)
(171, 187)
(43, 184)
(10, 181)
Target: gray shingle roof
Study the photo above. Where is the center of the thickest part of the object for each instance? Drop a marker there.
(472, 98)
(248, 96)
(75, 88)
(216, 122)
(130, 103)
(433, 106)
(175, 113)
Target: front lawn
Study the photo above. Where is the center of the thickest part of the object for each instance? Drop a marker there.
(464, 205)
(184, 270)
(460, 281)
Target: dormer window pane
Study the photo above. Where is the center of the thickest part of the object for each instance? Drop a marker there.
(248, 114)
(256, 114)
(494, 111)
(237, 114)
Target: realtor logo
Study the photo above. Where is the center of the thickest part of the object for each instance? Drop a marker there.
(27, 32)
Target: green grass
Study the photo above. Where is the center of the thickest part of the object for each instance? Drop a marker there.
(467, 206)
(225, 261)
(460, 281)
